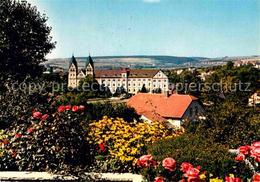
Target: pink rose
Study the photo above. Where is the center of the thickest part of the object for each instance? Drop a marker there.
(240, 157)
(256, 177)
(68, 107)
(18, 135)
(44, 117)
(159, 179)
(230, 179)
(244, 149)
(256, 144)
(37, 115)
(257, 159)
(169, 164)
(255, 152)
(30, 130)
(81, 107)
(192, 173)
(185, 166)
(146, 161)
(75, 108)
(61, 108)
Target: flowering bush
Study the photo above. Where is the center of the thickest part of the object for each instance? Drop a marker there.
(124, 142)
(214, 157)
(48, 142)
(251, 156)
(167, 171)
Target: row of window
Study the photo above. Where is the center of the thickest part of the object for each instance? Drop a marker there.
(139, 85)
(154, 80)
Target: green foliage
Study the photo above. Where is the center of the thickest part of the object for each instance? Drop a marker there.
(90, 88)
(24, 39)
(17, 103)
(120, 110)
(230, 124)
(56, 144)
(173, 76)
(157, 90)
(212, 157)
(228, 79)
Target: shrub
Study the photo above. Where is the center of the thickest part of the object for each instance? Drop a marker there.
(121, 143)
(230, 124)
(17, 104)
(213, 157)
(98, 110)
(49, 142)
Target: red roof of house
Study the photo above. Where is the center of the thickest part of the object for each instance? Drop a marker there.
(159, 106)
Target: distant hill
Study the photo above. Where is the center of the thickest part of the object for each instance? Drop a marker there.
(145, 61)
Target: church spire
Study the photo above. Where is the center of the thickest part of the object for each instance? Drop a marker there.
(90, 61)
(73, 61)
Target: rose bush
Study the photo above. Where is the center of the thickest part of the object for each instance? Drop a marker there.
(250, 155)
(213, 157)
(166, 171)
(48, 142)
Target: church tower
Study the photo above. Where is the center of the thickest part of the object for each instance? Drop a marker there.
(90, 66)
(73, 71)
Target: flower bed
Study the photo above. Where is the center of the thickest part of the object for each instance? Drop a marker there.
(120, 143)
(167, 170)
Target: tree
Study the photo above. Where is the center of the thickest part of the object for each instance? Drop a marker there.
(229, 123)
(230, 65)
(24, 39)
(143, 89)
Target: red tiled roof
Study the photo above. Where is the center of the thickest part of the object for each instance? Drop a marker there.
(132, 73)
(158, 106)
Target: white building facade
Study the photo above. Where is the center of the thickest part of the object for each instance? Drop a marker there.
(128, 80)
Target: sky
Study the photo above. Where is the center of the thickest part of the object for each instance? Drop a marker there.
(208, 28)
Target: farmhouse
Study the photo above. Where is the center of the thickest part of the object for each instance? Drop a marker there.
(159, 107)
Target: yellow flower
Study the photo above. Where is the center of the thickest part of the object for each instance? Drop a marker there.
(215, 180)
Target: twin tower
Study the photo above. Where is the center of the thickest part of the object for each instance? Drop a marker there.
(75, 75)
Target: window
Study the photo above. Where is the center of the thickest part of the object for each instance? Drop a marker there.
(143, 79)
(154, 80)
(129, 84)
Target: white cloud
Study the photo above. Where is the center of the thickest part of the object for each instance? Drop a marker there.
(151, 1)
